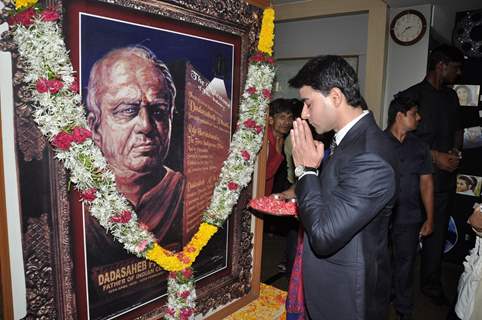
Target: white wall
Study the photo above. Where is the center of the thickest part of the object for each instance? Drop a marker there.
(340, 35)
(406, 65)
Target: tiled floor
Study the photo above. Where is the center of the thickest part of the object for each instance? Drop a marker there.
(273, 252)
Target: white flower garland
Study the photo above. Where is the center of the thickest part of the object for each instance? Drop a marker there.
(42, 46)
(60, 112)
(236, 168)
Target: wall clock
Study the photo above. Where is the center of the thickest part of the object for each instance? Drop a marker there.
(468, 34)
(408, 27)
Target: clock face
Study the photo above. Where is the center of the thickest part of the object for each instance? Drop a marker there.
(408, 27)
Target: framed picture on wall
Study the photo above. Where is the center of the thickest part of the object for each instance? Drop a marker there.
(469, 185)
(472, 137)
(201, 71)
(468, 94)
(286, 68)
(168, 71)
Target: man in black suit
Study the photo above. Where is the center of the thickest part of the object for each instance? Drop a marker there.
(345, 209)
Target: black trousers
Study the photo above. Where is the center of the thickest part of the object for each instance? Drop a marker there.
(433, 246)
(404, 238)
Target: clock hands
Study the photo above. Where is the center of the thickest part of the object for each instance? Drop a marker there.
(406, 28)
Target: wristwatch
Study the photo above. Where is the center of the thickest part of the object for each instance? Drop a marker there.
(300, 170)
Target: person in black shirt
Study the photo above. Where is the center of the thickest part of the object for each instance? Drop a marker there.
(440, 129)
(416, 183)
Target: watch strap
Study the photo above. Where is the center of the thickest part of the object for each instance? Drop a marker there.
(301, 171)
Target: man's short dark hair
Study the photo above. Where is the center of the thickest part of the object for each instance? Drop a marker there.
(399, 104)
(324, 73)
(444, 54)
(282, 105)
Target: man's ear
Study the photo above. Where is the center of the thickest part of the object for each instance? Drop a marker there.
(336, 96)
(441, 67)
(270, 120)
(94, 129)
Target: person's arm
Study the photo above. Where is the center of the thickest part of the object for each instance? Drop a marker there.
(458, 135)
(286, 194)
(426, 192)
(445, 161)
(330, 219)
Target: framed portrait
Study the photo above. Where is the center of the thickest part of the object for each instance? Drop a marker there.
(160, 82)
(468, 94)
(286, 68)
(469, 185)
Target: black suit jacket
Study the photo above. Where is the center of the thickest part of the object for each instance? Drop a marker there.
(345, 214)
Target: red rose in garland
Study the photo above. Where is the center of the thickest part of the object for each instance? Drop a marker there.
(49, 15)
(63, 140)
(88, 195)
(24, 17)
(45, 85)
(80, 134)
(55, 86)
(123, 217)
(42, 85)
(74, 87)
(232, 186)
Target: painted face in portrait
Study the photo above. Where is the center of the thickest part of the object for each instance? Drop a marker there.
(135, 116)
(463, 95)
(462, 185)
(281, 123)
(318, 110)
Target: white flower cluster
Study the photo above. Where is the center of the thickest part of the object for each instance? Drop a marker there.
(236, 168)
(42, 46)
(181, 299)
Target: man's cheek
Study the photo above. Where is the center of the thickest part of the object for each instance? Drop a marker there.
(117, 143)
